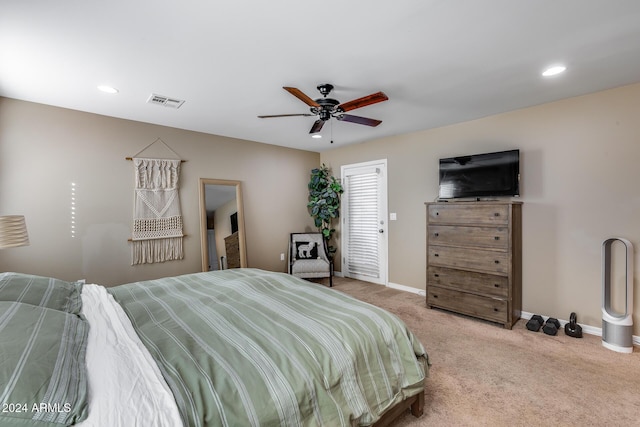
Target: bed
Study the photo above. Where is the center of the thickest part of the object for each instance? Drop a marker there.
(237, 347)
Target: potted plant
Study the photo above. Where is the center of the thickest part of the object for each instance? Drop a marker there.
(324, 203)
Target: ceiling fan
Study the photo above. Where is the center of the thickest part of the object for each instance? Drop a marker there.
(325, 108)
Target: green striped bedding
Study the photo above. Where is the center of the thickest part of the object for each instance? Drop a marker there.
(42, 291)
(246, 347)
(42, 366)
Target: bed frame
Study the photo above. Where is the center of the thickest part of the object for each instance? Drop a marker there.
(415, 403)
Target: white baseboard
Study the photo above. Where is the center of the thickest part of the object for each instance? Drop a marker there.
(394, 286)
(407, 289)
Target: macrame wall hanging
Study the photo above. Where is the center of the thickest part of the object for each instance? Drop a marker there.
(157, 219)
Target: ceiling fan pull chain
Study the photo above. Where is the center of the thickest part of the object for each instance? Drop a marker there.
(331, 129)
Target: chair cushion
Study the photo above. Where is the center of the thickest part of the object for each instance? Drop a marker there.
(304, 266)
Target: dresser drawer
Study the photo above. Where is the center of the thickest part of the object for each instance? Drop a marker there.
(469, 281)
(490, 261)
(468, 213)
(458, 235)
(488, 308)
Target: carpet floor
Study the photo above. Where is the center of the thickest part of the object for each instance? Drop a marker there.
(485, 375)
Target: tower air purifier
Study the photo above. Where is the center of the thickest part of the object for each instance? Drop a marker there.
(617, 328)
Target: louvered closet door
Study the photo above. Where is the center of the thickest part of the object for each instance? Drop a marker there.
(364, 241)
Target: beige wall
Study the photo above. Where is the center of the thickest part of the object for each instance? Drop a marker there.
(580, 184)
(44, 149)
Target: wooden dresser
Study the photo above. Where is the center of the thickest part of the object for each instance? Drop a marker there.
(232, 247)
(474, 259)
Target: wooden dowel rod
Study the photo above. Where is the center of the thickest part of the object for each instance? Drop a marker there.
(131, 240)
(131, 158)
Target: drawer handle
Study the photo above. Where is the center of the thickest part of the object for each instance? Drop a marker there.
(495, 285)
(437, 213)
(435, 296)
(495, 309)
(497, 261)
(436, 275)
(436, 234)
(496, 238)
(496, 214)
(436, 254)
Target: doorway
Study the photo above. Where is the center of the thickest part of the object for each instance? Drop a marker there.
(364, 221)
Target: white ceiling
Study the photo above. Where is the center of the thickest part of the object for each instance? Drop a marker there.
(439, 61)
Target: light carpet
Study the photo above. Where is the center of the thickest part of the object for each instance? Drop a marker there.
(485, 375)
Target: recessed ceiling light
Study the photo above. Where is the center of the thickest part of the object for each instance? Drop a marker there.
(316, 135)
(555, 70)
(107, 89)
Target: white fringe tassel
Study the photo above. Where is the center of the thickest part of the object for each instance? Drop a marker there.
(156, 250)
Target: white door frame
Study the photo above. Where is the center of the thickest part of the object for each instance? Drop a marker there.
(383, 219)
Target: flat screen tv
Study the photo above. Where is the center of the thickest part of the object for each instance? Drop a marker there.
(234, 222)
(480, 175)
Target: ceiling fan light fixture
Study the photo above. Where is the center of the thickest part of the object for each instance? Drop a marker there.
(316, 136)
(325, 115)
(554, 70)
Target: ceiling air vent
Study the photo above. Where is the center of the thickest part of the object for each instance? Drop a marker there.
(164, 101)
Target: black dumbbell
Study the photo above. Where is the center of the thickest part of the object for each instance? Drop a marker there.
(572, 328)
(552, 326)
(535, 323)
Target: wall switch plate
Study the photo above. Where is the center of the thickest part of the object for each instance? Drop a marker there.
(281, 257)
(392, 216)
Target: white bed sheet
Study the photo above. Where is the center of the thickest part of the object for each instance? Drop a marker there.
(126, 388)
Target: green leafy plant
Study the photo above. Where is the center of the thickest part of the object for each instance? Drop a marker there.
(324, 202)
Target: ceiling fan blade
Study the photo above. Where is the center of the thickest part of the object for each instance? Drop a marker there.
(374, 98)
(317, 126)
(359, 120)
(285, 115)
(301, 96)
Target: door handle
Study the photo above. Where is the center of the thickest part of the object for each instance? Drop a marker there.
(380, 230)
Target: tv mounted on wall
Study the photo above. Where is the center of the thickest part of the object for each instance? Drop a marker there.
(480, 175)
(234, 222)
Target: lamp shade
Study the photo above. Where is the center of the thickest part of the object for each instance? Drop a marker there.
(13, 231)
